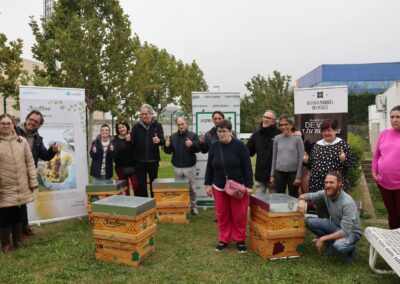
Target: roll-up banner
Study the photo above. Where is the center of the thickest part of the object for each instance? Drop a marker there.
(203, 105)
(313, 105)
(61, 194)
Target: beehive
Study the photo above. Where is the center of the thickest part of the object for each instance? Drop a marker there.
(97, 192)
(276, 228)
(124, 229)
(172, 200)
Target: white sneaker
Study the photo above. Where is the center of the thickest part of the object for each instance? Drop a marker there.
(195, 211)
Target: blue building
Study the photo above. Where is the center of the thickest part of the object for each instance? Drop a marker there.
(359, 78)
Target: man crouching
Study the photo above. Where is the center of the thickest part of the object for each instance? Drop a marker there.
(343, 229)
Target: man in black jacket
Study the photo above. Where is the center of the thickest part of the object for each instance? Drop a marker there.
(147, 135)
(261, 143)
(29, 130)
(184, 145)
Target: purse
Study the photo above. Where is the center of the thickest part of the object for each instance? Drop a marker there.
(127, 171)
(232, 188)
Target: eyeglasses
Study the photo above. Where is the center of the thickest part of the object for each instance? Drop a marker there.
(4, 124)
(222, 131)
(267, 117)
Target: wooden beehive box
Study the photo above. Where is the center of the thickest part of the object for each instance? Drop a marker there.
(123, 215)
(276, 221)
(173, 215)
(130, 250)
(272, 244)
(97, 192)
(170, 193)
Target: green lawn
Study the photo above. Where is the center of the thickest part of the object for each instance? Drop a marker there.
(64, 253)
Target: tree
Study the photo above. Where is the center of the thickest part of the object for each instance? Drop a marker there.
(272, 93)
(11, 69)
(87, 44)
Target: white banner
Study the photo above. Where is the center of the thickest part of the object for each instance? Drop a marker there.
(62, 180)
(203, 105)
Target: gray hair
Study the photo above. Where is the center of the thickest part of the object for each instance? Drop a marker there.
(148, 107)
(271, 111)
(180, 117)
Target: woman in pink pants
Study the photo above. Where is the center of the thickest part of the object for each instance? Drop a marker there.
(386, 168)
(229, 158)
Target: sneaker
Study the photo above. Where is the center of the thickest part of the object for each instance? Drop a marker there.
(329, 250)
(349, 257)
(241, 247)
(220, 246)
(195, 211)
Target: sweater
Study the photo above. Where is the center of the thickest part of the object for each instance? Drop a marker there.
(124, 152)
(287, 155)
(342, 210)
(236, 160)
(385, 162)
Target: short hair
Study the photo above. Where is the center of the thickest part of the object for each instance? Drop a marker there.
(335, 174)
(225, 124)
(396, 108)
(287, 119)
(38, 113)
(180, 117)
(271, 111)
(218, 112)
(329, 123)
(105, 125)
(148, 107)
(123, 123)
(4, 115)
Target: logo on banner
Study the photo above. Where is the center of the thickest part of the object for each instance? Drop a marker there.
(40, 108)
(74, 94)
(320, 95)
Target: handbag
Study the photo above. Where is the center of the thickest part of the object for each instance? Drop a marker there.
(127, 171)
(232, 188)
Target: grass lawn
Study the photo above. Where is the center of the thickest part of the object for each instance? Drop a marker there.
(64, 253)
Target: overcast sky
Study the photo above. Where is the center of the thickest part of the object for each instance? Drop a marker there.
(234, 40)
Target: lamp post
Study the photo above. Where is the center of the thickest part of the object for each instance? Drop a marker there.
(216, 87)
(172, 115)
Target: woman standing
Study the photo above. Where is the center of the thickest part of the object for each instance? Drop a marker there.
(17, 181)
(229, 158)
(102, 154)
(124, 155)
(287, 158)
(386, 168)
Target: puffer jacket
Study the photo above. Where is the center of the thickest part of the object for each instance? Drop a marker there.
(18, 176)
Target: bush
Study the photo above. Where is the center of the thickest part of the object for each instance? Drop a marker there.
(357, 145)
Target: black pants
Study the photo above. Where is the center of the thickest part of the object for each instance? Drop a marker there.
(142, 169)
(11, 215)
(283, 179)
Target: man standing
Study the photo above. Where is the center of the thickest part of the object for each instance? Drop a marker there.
(261, 143)
(343, 229)
(211, 136)
(147, 135)
(29, 130)
(184, 145)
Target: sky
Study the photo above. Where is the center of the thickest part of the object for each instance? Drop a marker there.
(234, 40)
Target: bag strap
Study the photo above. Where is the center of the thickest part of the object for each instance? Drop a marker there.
(222, 160)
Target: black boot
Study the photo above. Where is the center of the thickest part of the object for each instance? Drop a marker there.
(27, 231)
(5, 240)
(16, 232)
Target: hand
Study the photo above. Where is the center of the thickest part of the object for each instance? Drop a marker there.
(342, 156)
(209, 190)
(375, 176)
(167, 142)
(249, 191)
(306, 158)
(272, 181)
(94, 149)
(156, 140)
(54, 148)
(297, 182)
(201, 138)
(302, 206)
(188, 143)
(319, 244)
(111, 147)
(128, 136)
(297, 133)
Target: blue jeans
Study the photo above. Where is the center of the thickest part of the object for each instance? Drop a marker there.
(323, 227)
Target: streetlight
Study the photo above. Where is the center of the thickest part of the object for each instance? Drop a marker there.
(216, 87)
(172, 115)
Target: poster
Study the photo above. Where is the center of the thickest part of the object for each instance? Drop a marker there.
(313, 105)
(61, 194)
(203, 105)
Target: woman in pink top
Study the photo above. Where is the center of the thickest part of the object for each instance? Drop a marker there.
(386, 167)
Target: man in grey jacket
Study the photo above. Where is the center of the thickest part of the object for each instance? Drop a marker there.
(343, 229)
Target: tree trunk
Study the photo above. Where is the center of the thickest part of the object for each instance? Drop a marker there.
(89, 128)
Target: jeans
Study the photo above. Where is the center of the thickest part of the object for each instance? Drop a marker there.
(323, 227)
(261, 187)
(283, 179)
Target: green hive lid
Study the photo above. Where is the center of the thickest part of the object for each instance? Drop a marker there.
(123, 205)
(113, 185)
(166, 183)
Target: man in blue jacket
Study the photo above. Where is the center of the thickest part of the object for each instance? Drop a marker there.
(184, 145)
(147, 135)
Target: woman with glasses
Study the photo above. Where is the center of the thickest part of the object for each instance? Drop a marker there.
(229, 158)
(287, 158)
(18, 179)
